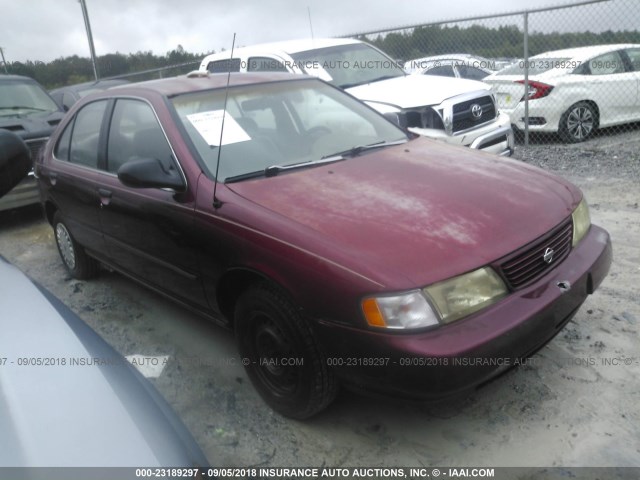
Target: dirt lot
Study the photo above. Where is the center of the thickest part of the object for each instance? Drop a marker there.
(576, 403)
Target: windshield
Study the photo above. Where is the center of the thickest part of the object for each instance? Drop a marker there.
(23, 97)
(280, 123)
(350, 65)
(539, 65)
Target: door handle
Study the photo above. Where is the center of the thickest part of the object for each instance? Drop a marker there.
(53, 178)
(105, 196)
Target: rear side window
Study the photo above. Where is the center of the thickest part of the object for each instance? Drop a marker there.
(136, 133)
(224, 66)
(79, 141)
(442, 71)
(473, 73)
(606, 64)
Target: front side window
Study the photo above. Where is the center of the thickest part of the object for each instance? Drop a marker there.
(135, 133)
(280, 123)
(265, 64)
(84, 136)
(634, 58)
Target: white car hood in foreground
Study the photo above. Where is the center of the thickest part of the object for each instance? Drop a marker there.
(415, 90)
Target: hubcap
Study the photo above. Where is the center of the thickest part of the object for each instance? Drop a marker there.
(580, 123)
(65, 245)
(272, 347)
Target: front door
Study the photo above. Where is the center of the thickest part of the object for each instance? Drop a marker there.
(148, 231)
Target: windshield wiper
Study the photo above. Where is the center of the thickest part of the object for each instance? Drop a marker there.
(274, 170)
(244, 176)
(353, 151)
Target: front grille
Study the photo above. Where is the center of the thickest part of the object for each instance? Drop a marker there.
(529, 265)
(35, 145)
(463, 118)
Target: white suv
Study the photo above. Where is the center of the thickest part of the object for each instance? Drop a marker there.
(461, 112)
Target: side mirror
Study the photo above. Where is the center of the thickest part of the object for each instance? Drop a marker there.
(15, 160)
(149, 173)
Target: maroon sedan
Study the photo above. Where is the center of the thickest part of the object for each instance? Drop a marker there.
(340, 250)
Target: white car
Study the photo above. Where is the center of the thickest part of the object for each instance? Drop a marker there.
(455, 65)
(457, 111)
(573, 92)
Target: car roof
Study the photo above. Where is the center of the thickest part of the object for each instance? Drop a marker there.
(16, 77)
(449, 56)
(78, 87)
(200, 82)
(285, 47)
(584, 53)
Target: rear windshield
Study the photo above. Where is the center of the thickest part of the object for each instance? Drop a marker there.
(540, 65)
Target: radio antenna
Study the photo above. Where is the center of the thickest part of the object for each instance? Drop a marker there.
(217, 203)
(310, 24)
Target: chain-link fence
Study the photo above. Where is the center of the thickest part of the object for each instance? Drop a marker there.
(153, 73)
(570, 72)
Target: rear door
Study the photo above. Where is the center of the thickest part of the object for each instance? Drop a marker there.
(633, 55)
(71, 177)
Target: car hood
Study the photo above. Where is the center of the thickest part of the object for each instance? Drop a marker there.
(414, 214)
(415, 90)
(33, 125)
(102, 413)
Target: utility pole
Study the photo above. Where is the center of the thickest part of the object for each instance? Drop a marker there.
(4, 62)
(85, 14)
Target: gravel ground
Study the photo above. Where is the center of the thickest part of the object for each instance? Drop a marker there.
(572, 406)
(613, 153)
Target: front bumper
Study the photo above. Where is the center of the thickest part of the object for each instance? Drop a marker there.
(495, 137)
(467, 353)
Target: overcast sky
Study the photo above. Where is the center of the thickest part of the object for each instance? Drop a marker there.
(43, 30)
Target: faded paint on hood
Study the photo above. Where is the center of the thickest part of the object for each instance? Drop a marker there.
(415, 90)
(416, 213)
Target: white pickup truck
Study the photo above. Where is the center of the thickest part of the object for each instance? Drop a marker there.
(457, 111)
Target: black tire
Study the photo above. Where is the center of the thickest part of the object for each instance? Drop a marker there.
(578, 123)
(270, 331)
(75, 259)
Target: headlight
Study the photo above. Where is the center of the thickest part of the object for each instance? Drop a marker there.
(451, 299)
(405, 311)
(581, 222)
(463, 295)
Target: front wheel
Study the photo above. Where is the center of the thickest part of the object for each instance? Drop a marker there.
(280, 354)
(579, 122)
(75, 259)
